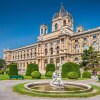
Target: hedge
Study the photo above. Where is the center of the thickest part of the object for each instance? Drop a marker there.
(36, 74)
(1, 72)
(86, 74)
(73, 75)
(70, 67)
(31, 68)
(13, 69)
(50, 67)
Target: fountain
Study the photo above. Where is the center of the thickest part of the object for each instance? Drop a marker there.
(57, 86)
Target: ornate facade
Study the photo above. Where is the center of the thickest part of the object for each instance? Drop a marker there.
(59, 46)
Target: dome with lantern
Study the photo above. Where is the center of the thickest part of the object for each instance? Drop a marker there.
(62, 13)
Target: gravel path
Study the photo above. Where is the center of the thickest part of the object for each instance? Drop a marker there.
(6, 92)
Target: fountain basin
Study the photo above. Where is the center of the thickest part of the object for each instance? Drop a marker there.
(69, 87)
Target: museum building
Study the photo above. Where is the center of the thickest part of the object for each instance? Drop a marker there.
(62, 45)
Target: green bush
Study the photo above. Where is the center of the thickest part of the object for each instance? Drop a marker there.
(73, 75)
(1, 72)
(31, 68)
(86, 74)
(99, 78)
(7, 71)
(13, 69)
(70, 67)
(7, 66)
(49, 74)
(50, 67)
(36, 74)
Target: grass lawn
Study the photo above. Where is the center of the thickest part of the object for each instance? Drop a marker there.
(6, 77)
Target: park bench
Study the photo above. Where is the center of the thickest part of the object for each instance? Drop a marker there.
(16, 76)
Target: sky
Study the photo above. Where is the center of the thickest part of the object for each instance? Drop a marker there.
(20, 20)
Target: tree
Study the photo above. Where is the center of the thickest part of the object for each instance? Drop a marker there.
(2, 63)
(90, 58)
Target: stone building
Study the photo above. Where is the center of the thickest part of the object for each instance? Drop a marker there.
(59, 46)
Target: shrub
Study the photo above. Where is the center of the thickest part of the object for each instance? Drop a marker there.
(1, 72)
(70, 67)
(99, 77)
(31, 68)
(49, 74)
(50, 67)
(73, 75)
(86, 74)
(7, 71)
(7, 66)
(36, 74)
(13, 69)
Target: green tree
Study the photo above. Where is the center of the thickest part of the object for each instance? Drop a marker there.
(2, 63)
(90, 58)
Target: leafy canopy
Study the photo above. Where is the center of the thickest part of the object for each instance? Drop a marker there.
(90, 58)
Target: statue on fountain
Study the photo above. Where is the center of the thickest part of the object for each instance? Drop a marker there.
(57, 79)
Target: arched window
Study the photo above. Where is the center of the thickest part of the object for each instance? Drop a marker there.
(56, 26)
(84, 39)
(95, 45)
(45, 51)
(23, 64)
(94, 37)
(45, 31)
(57, 49)
(41, 31)
(85, 46)
(64, 23)
(51, 61)
(76, 48)
(76, 59)
(31, 54)
(51, 51)
(35, 54)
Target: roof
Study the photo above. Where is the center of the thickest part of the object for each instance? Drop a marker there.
(61, 13)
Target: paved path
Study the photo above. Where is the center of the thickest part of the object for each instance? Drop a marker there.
(6, 92)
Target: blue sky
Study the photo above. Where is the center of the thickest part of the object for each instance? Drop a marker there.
(20, 19)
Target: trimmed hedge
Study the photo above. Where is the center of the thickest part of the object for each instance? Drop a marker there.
(31, 68)
(50, 67)
(73, 75)
(49, 74)
(70, 67)
(1, 72)
(13, 69)
(99, 78)
(36, 74)
(86, 74)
